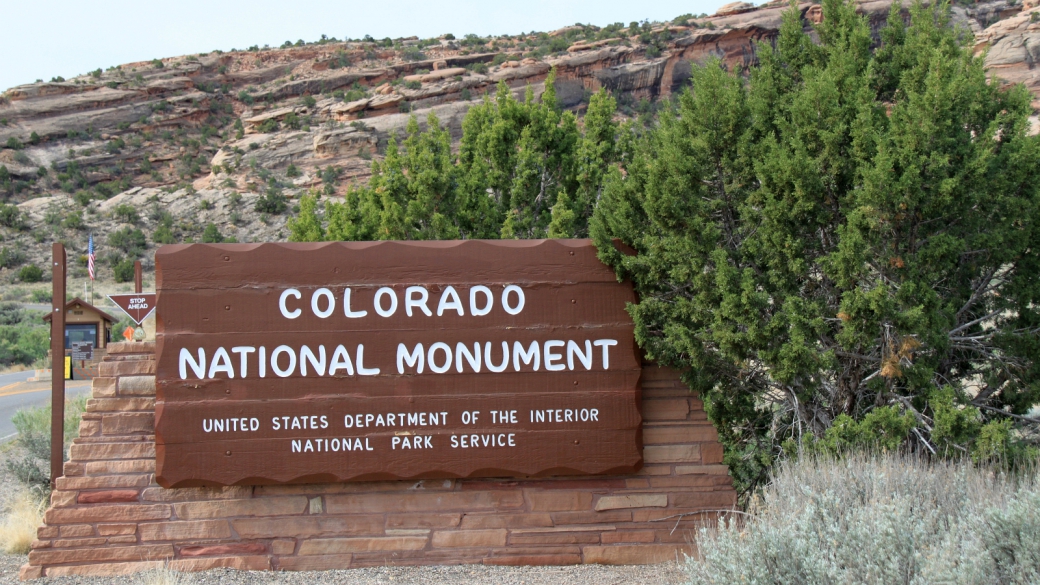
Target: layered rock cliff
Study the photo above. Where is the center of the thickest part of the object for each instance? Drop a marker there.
(195, 140)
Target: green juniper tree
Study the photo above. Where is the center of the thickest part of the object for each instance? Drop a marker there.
(597, 150)
(841, 248)
(524, 169)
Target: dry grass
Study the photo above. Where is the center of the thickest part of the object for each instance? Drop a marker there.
(166, 576)
(19, 526)
(13, 369)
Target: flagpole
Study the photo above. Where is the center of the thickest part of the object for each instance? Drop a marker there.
(90, 267)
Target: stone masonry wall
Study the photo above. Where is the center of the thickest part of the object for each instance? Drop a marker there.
(108, 516)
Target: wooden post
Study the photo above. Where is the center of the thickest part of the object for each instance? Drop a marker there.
(57, 361)
(137, 276)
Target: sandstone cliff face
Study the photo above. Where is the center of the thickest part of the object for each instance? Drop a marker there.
(207, 126)
(1012, 48)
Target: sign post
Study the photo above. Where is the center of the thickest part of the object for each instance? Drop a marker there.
(57, 361)
(362, 361)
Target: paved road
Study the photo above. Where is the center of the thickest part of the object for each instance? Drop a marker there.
(35, 306)
(16, 393)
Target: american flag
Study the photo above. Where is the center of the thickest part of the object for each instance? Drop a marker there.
(90, 257)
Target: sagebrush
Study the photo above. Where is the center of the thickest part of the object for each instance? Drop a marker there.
(32, 470)
(889, 519)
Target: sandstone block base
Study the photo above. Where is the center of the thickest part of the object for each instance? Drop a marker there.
(109, 517)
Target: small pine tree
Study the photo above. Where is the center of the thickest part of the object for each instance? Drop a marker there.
(306, 226)
(212, 235)
(564, 218)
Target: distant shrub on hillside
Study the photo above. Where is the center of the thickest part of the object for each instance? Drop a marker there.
(164, 235)
(212, 235)
(268, 126)
(74, 221)
(11, 257)
(272, 202)
(11, 216)
(126, 213)
(130, 241)
(412, 54)
(123, 271)
(30, 273)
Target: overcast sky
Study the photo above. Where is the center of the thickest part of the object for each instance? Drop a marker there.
(44, 38)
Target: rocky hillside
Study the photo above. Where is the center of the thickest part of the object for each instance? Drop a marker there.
(217, 146)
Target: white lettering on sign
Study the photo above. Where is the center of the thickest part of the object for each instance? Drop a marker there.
(527, 355)
(346, 306)
(450, 301)
(413, 442)
(438, 358)
(503, 417)
(291, 292)
(474, 441)
(556, 355)
(519, 306)
(416, 302)
(401, 440)
(139, 303)
(395, 419)
(330, 303)
(565, 415)
(230, 425)
(380, 294)
(284, 361)
(295, 423)
(330, 445)
(489, 300)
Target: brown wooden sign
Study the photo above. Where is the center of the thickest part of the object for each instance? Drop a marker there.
(294, 363)
(137, 306)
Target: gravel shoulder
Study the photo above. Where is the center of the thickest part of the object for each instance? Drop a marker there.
(663, 574)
